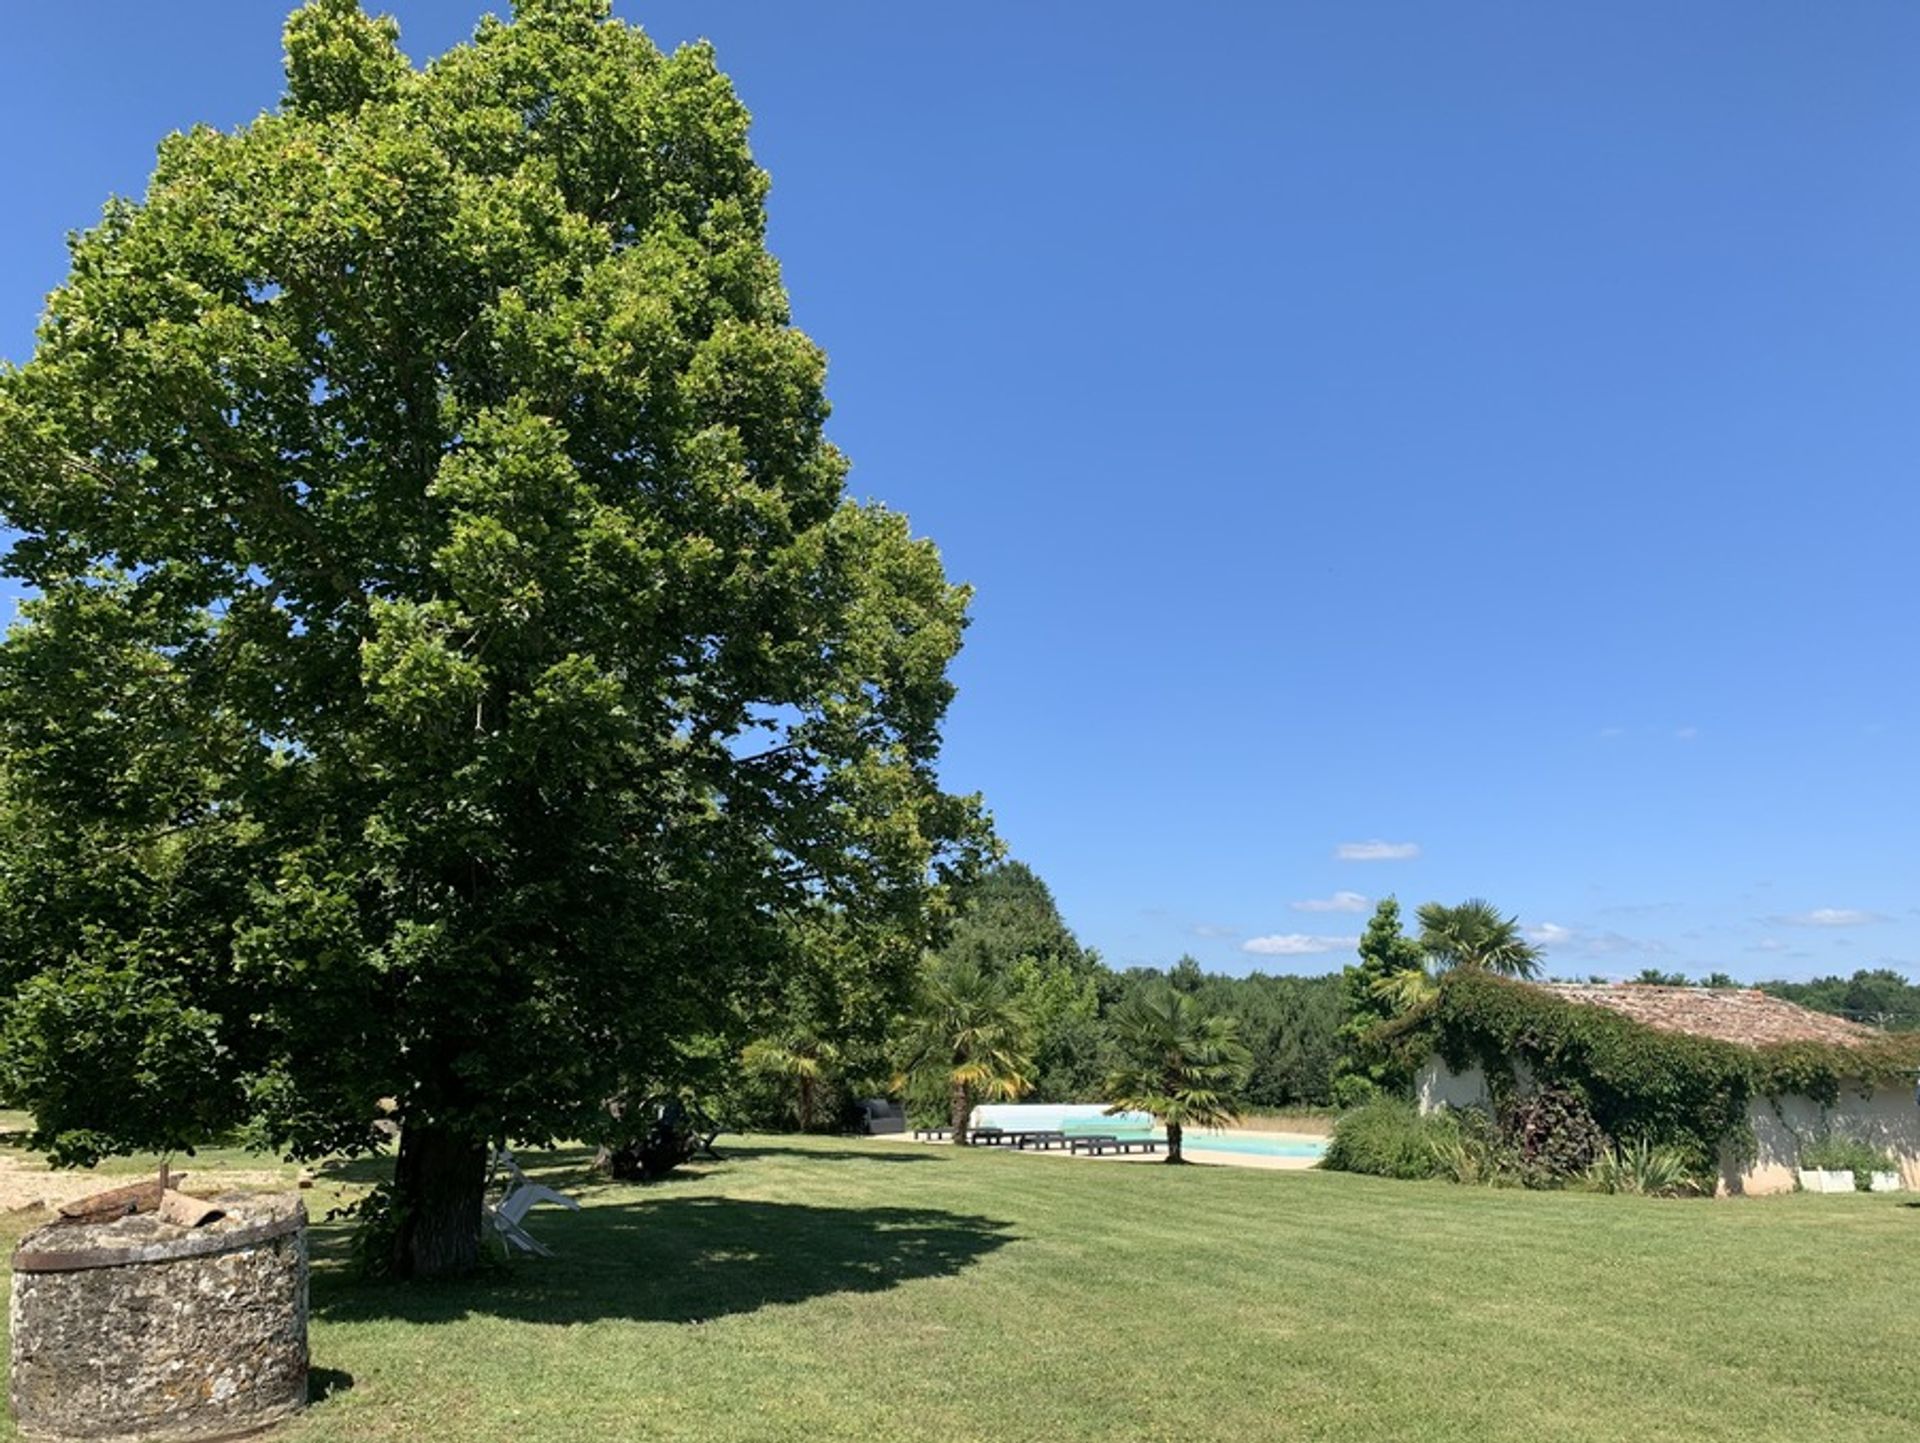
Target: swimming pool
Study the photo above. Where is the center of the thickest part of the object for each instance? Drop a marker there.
(1253, 1145)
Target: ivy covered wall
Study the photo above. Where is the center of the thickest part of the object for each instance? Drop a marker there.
(1640, 1082)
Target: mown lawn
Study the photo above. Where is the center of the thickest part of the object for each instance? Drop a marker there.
(831, 1289)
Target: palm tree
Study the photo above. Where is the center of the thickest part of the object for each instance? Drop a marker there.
(1178, 1062)
(1471, 936)
(967, 1038)
(802, 1058)
(1474, 934)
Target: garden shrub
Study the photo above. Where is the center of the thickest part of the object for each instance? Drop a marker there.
(1388, 1137)
(1476, 1152)
(1552, 1134)
(1352, 1090)
(1835, 1153)
(644, 1139)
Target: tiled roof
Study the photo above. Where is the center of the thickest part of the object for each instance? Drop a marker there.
(1728, 1014)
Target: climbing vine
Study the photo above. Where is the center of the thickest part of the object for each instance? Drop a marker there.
(1640, 1082)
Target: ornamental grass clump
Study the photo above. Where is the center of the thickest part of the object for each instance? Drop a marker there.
(1476, 1153)
(1643, 1168)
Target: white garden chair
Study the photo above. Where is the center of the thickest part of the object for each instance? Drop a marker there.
(518, 1196)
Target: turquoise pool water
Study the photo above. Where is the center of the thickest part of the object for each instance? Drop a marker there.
(1255, 1146)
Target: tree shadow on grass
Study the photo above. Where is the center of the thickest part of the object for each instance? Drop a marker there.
(553, 1165)
(572, 1166)
(748, 1151)
(683, 1260)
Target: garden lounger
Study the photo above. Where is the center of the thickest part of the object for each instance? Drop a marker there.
(1042, 1139)
(1101, 1146)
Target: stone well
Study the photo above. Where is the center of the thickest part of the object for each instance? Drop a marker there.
(139, 1328)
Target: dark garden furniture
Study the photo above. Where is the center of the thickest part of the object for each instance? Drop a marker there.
(1041, 1139)
(1099, 1145)
(881, 1117)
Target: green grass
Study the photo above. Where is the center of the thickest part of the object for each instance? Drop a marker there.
(825, 1289)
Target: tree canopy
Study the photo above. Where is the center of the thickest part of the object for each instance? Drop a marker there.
(1007, 925)
(456, 673)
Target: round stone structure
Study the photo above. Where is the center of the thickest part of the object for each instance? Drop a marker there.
(141, 1329)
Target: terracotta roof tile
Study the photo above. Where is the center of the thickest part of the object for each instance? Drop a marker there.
(1728, 1014)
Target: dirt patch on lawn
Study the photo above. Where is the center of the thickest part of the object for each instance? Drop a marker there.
(27, 1189)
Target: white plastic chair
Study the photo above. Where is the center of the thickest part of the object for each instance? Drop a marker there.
(519, 1196)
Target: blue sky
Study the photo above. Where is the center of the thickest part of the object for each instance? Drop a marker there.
(1439, 450)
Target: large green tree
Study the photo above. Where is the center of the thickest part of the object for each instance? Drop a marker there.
(1006, 914)
(457, 674)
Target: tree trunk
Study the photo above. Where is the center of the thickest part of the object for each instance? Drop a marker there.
(1173, 1143)
(960, 1108)
(439, 1181)
(806, 1104)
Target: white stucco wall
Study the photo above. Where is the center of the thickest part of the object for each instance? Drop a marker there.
(1440, 1086)
(1887, 1118)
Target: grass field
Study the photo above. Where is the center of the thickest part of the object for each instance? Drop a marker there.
(826, 1289)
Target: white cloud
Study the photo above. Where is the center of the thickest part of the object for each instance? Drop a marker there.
(1338, 902)
(1377, 851)
(1828, 917)
(1297, 944)
(1550, 934)
(1213, 929)
(1768, 944)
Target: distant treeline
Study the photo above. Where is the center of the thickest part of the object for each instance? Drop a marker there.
(1009, 928)
(1010, 925)
(1879, 997)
